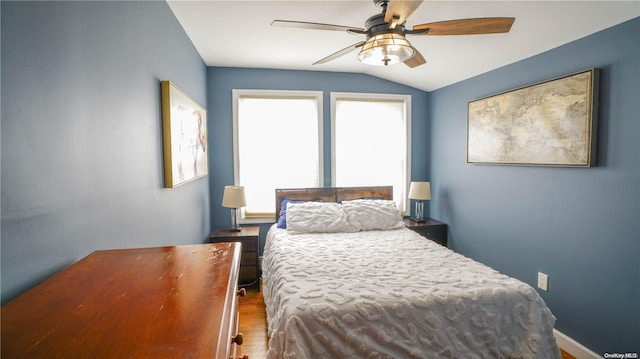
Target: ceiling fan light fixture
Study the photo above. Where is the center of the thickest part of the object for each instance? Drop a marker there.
(385, 49)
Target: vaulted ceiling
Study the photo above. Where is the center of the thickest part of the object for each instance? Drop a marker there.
(239, 34)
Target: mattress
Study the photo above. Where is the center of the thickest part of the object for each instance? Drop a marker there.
(395, 294)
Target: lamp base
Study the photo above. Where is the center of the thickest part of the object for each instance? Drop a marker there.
(419, 214)
(235, 220)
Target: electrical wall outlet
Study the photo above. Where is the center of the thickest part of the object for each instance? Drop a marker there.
(543, 281)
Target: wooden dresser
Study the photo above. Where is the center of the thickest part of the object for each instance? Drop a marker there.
(164, 302)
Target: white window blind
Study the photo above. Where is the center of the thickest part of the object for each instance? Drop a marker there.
(277, 144)
(370, 139)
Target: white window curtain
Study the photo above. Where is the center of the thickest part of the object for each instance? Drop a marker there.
(277, 144)
(371, 142)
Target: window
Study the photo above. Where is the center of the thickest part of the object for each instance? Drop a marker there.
(371, 141)
(277, 144)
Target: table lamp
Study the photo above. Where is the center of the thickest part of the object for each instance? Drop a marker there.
(233, 198)
(419, 191)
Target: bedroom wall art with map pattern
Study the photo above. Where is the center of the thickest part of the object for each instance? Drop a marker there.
(552, 123)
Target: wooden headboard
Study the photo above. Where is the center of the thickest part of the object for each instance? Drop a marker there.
(332, 194)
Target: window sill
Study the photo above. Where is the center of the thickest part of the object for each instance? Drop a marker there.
(257, 220)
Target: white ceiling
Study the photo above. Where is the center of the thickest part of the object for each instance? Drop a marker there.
(239, 34)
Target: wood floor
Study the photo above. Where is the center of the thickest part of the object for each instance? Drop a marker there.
(253, 325)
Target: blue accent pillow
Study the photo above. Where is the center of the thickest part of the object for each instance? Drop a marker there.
(282, 216)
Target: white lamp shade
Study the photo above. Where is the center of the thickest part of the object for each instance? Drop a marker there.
(233, 197)
(420, 190)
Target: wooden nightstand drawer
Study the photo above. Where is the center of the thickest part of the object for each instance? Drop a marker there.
(249, 273)
(249, 258)
(431, 229)
(436, 235)
(249, 238)
(248, 245)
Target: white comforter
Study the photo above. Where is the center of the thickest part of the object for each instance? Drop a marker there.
(395, 294)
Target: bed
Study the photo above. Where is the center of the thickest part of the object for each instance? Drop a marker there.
(362, 291)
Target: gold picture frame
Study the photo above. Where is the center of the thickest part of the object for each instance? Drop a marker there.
(552, 123)
(184, 136)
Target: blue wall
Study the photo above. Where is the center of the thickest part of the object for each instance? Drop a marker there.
(81, 134)
(581, 226)
(221, 81)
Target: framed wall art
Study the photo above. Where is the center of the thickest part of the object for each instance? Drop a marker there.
(552, 123)
(184, 135)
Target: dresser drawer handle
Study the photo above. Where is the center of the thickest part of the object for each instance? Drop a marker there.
(237, 339)
(241, 292)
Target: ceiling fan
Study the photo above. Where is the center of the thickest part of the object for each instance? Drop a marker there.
(386, 43)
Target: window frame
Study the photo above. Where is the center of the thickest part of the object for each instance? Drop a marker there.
(274, 94)
(406, 99)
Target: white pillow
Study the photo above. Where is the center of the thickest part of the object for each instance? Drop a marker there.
(319, 217)
(367, 215)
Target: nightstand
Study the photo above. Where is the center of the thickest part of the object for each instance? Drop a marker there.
(430, 228)
(248, 236)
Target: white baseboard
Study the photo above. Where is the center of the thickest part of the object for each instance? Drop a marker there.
(573, 347)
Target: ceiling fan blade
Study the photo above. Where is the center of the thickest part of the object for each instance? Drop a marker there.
(416, 60)
(400, 10)
(313, 25)
(477, 26)
(342, 52)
